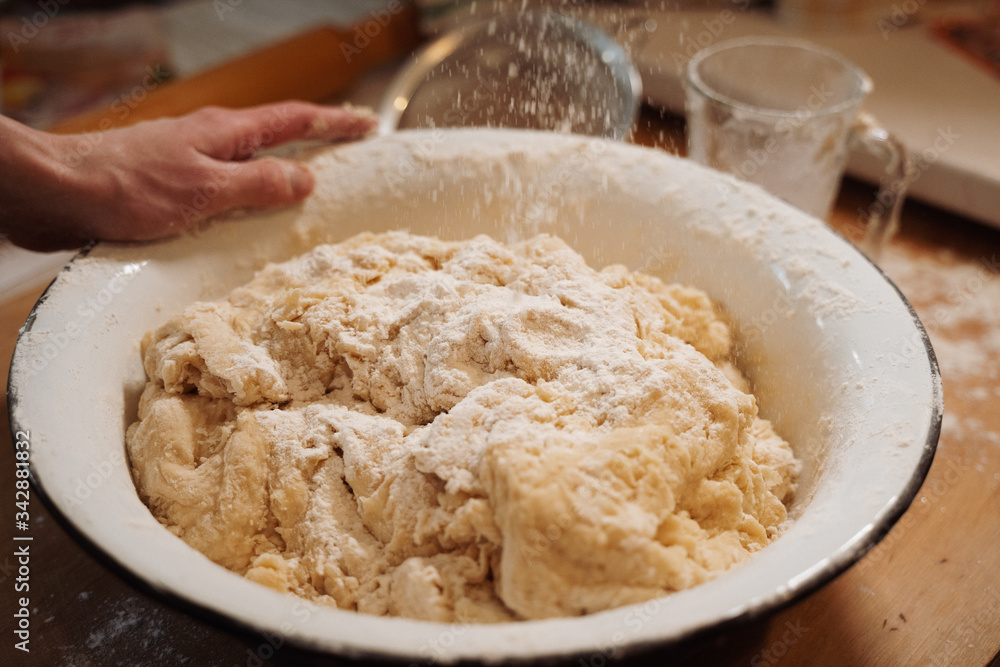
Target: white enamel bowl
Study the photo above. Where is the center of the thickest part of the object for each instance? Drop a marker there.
(838, 359)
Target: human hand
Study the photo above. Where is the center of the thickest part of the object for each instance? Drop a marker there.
(157, 178)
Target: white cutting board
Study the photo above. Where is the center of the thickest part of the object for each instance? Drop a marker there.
(924, 93)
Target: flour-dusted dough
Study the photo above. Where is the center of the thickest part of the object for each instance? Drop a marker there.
(458, 431)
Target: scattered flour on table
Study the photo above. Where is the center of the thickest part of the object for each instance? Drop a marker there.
(121, 631)
(458, 431)
(958, 301)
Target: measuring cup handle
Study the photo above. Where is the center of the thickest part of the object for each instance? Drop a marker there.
(884, 221)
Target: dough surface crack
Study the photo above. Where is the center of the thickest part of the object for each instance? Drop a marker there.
(458, 431)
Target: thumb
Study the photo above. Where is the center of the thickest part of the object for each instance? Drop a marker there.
(264, 183)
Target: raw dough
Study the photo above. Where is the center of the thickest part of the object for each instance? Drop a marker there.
(458, 431)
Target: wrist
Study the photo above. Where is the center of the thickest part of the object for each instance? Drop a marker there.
(33, 181)
(27, 162)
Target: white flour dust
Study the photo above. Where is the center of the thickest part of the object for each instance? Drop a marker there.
(458, 431)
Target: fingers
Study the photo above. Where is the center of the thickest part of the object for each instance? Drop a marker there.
(239, 134)
(228, 134)
(265, 183)
(158, 178)
(322, 123)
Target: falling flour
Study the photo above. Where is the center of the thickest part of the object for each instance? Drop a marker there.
(458, 431)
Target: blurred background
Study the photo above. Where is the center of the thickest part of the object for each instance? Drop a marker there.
(61, 57)
(76, 65)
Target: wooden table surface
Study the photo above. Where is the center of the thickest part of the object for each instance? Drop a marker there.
(929, 594)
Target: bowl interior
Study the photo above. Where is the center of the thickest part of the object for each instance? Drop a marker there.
(836, 356)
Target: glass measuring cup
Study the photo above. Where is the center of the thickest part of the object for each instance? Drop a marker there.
(783, 113)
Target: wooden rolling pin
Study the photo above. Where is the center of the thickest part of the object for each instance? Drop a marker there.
(313, 66)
